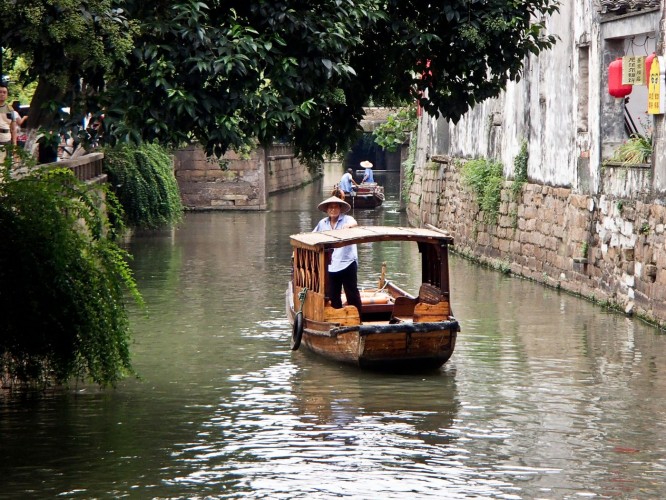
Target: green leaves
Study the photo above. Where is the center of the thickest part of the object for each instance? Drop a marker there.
(276, 69)
(142, 179)
(485, 178)
(520, 169)
(635, 150)
(63, 281)
(397, 128)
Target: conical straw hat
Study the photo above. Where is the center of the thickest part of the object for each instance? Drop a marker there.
(344, 206)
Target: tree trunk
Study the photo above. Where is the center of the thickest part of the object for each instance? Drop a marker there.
(42, 112)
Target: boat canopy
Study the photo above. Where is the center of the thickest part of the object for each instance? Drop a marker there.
(367, 234)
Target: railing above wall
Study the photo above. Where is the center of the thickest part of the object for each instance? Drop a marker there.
(86, 168)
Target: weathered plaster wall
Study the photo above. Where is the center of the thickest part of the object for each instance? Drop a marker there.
(231, 182)
(540, 109)
(561, 105)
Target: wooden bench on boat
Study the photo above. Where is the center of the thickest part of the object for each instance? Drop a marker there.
(430, 305)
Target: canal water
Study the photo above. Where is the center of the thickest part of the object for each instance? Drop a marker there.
(546, 396)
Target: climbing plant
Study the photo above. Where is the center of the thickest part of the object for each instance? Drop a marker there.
(143, 180)
(63, 281)
(485, 177)
(408, 171)
(520, 169)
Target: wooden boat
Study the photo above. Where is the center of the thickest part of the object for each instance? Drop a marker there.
(396, 330)
(367, 195)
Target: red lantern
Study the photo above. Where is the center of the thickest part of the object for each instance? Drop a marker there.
(615, 87)
(648, 65)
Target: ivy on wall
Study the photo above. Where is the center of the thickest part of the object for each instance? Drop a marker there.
(485, 178)
(408, 171)
(520, 169)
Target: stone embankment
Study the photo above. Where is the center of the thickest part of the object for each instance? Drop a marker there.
(234, 181)
(609, 250)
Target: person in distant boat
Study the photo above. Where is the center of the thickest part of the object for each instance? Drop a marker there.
(367, 175)
(342, 270)
(347, 181)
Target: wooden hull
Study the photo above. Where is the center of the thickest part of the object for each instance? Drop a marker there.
(394, 347)
(367, 196)
(424, 346)
(365, 201)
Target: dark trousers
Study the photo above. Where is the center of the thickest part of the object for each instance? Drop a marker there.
(347, 279)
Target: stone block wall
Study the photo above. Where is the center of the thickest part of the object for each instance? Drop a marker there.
(230, 182)
(285, 171)
(236, 182)
(608, 249)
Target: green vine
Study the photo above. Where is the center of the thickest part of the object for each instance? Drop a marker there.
(520, 170)
(485, 178)
(63, 281)
(142, 178)
(408, 171)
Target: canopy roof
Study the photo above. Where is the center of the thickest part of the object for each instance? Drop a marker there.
(368, 234)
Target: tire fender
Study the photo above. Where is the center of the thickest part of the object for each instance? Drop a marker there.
(297, 331)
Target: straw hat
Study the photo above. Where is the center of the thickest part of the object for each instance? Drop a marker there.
(344, 206)
(366, 164)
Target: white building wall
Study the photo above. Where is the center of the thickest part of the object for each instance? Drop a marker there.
(561, 105)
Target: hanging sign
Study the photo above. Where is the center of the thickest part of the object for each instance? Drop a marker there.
(657, 87)
(633, 70)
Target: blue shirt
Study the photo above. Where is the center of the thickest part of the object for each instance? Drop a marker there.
(342, 257)
(368, 177)
(346, 182)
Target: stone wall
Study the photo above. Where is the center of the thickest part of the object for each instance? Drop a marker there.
(230, 182)
(608, 249)
(285, 171)
(236, 182)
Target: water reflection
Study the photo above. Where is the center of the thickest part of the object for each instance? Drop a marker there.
(546, 395)
(330, 423)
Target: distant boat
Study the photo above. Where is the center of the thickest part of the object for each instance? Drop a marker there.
(395, 330)
(367, 195)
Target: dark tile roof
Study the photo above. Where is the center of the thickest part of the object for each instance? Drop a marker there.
(627, 6)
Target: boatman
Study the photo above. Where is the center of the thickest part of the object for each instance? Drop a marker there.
(367, 175)
(347, 181)
(342, 270)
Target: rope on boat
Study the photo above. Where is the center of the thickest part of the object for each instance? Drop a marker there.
(301, 297)
(386, 282)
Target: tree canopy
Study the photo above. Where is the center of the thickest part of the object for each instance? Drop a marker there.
(225, 73)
